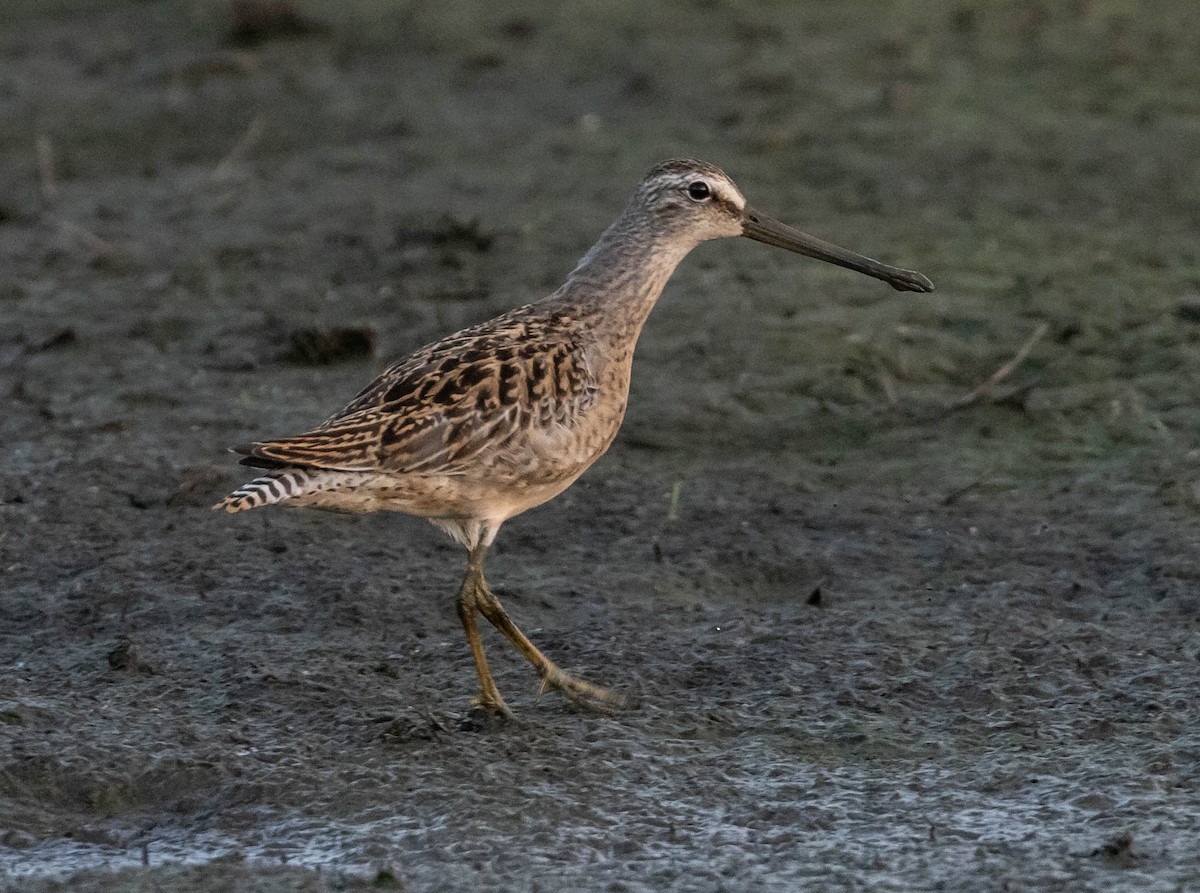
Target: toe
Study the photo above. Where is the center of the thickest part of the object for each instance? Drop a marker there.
(584, 694)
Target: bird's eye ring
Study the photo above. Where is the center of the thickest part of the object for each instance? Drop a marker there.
(699, 191)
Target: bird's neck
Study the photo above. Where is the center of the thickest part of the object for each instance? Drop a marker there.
(618, 281)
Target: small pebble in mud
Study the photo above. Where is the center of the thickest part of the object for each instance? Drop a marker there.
(385, 879)
(520, 28)
(1188, 309)
(52, 340)
(196, 485)
(124, 658)
(479, 720)
(322, 347)
(256, 21)
(450, 232)
(1119, 850)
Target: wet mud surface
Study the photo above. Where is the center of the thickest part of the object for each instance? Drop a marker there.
(878, 640)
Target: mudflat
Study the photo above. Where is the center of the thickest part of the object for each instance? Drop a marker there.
(906, 586)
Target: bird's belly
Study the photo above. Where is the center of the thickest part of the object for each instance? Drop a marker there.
(518, 480)
(495, 498)
(496, 485)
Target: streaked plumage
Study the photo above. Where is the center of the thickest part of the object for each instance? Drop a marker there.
(477, 425)
(495, 419)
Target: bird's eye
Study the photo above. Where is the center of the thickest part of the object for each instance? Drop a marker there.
(699, 191)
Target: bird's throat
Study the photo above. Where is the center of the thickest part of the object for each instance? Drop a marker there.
(621, 277)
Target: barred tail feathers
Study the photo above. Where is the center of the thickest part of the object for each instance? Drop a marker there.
(276, 486)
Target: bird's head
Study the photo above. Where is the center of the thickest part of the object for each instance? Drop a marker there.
(697, 201)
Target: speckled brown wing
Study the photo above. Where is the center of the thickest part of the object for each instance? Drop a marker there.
(451, 405)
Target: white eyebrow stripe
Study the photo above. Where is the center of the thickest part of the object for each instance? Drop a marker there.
(721, 188)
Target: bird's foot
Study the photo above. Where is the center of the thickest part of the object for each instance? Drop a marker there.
(580, 692)
(491, 703)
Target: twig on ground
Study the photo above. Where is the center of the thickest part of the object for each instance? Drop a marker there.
(1003, 372)
(889, 386)
(253, 133)
(97, 244)
(673, 507)
(959, 492)
(200, 69)
(47, 181)
(48, 186)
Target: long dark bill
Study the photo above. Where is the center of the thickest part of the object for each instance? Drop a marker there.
(762, 228)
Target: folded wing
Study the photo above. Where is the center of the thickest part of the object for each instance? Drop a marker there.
(449, 406)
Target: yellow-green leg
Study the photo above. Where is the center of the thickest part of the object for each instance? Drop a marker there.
(489, 694)
(476, 595)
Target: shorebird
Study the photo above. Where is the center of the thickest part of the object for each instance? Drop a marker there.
(500, 417)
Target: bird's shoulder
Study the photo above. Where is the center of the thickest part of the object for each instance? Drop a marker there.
(530, 353)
